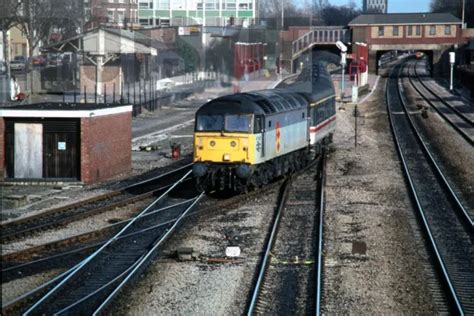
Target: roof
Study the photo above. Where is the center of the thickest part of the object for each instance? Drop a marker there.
(405, 18)
(138, 42)
(63, 110)
(255, 102)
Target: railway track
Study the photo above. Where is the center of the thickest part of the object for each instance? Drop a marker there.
(96, 205)
(289, 275)
(448, 226)
(459, 116)
(59, 255)
(91, 285)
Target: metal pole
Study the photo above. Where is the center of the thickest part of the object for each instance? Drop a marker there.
(355, 129)
(121, 92)
(105, 93)
(113, 94)
(463, 12)
(85, 94)
(342, 83)
(452, 77)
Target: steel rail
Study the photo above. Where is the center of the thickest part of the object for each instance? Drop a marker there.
(420, 209)
(76, 269)
(142, 262)
(320, 245)
(271, 240)
(458, 129)
(452, 107)
(14, 269)
(48, 218)
(464, 213)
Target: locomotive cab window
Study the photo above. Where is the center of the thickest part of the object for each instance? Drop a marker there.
(258, 125)
(238, 123)
(227, 123)
(210, 123)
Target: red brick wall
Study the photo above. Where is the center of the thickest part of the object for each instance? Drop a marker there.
(2, 148)
(105, 147)
(404, 39)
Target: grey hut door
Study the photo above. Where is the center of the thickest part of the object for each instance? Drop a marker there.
(28, 150)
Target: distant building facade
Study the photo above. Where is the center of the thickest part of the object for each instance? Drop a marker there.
(197, 12)
(111, 13)
(18, 43)
(374, 6)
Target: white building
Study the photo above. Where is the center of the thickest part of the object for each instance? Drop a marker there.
(194, 12)
(375, 6)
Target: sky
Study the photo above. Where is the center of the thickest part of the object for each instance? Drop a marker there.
(396, 5)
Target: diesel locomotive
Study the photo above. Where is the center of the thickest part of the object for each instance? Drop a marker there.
(245, 140)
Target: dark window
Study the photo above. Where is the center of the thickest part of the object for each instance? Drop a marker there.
(258, 126)
(410, 30)
(269, 123)
(238, 123)
(381, 30)
(228, 123)
(395, 31)
(432, 30)
(447, 30)
(302, 115)
(418, 30)
(210, 123)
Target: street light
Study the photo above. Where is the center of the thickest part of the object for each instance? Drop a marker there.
(452, 60)
(343, 49)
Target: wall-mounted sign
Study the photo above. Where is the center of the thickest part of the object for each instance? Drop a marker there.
(61, 145)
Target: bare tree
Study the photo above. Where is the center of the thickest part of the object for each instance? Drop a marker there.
(455, 7)
(39, 18)
(8, 19)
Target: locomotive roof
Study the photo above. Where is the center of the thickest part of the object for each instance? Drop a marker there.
(255, 102)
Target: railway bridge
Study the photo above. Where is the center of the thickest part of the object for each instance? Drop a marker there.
(433, 33)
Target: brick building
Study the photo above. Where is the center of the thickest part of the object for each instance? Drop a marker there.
(111, 13)
(433, 33)
(65, 142)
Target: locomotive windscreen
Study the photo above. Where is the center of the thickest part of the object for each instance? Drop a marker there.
(227, 123)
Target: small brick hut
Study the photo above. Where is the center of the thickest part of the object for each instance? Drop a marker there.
(65, 142)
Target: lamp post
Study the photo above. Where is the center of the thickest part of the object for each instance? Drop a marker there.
(343, 49)
(452, 60)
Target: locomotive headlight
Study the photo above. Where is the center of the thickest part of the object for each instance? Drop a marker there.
(212, 143)
(233, 144)
(226, 157)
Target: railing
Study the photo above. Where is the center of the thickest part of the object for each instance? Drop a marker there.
(320, 35)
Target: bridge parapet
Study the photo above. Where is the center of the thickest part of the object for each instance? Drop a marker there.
(320, 36)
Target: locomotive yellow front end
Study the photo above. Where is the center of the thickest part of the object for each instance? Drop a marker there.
(223, 150)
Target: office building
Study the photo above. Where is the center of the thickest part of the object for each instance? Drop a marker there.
(196, 12)
(374, 6)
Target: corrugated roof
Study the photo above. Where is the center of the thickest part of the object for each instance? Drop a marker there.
(405, 18)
